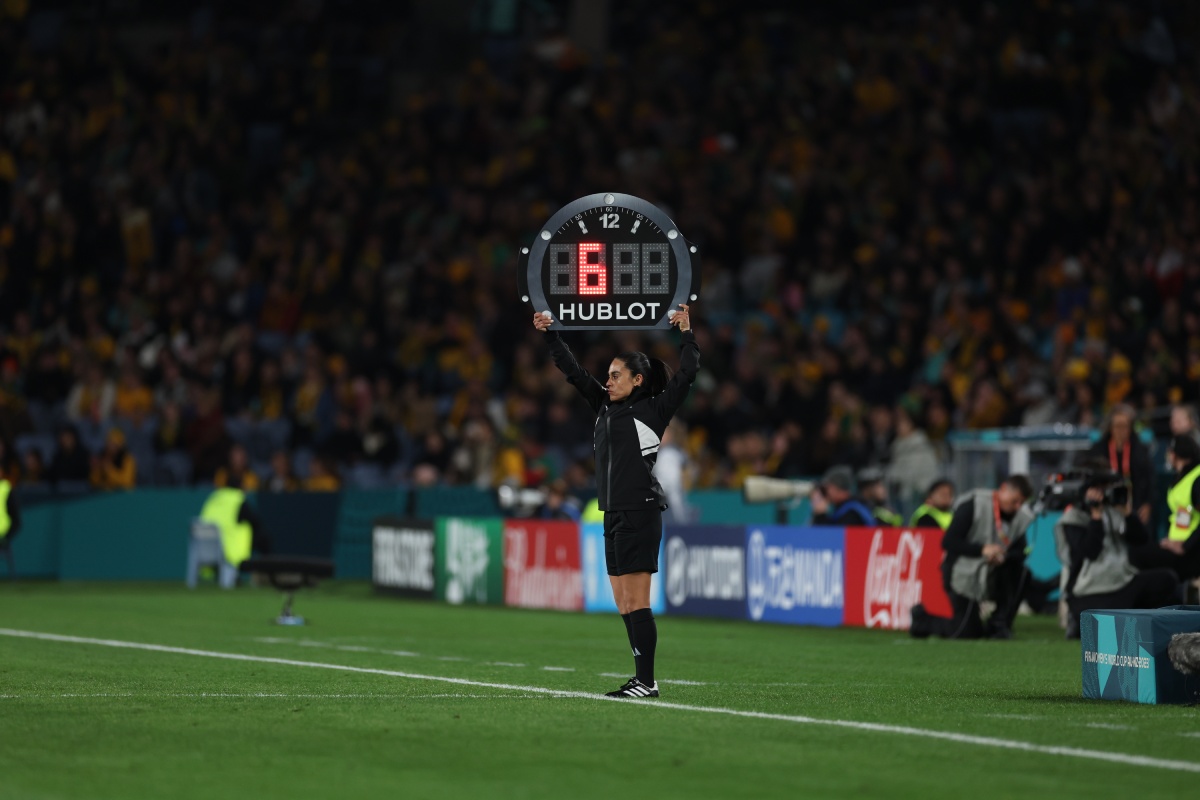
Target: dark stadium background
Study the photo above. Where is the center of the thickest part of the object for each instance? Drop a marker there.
(293, 225)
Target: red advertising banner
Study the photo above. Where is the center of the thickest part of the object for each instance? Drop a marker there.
(542, 565)
(888, 571)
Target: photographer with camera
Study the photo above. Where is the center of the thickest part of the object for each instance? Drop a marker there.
(1093, 538)
(1125, 455)
(984, 562)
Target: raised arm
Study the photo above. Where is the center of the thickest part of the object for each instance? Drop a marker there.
(577, 376)
(668, 401)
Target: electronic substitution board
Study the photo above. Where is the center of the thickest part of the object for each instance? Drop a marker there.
(608, 262)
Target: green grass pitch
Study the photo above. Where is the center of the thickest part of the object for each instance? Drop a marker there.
(85, 720)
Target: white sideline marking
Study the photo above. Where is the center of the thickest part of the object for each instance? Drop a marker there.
(260, 695)
(874, 727)
(1015, 716)
(559, 669)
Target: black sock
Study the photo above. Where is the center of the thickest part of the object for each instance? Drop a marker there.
(628, 629)
(645, 639)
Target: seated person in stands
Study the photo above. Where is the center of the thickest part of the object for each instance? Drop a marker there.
(936, 511)
(874, 491)
(114, 468)
(984, 562)
(1093, 540)
(71, 462)
(236, 473)
(33, 468)
(834, 503)
(559, 505)
(281, 479)
(321, 476)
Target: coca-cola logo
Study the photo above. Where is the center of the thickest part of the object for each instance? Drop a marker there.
(893, 584)
(541, 573)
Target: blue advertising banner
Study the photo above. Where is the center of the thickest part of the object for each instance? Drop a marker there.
(795, 575)
(597, 593)
(705, 567)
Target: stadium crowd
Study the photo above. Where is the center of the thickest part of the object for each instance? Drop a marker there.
(238, 253)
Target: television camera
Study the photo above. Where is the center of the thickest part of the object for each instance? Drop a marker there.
(1070, 488)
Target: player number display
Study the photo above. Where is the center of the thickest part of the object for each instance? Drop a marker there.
(608, 261)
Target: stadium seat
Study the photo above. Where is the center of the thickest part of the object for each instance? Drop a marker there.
(173, 469)
(42, 442)
(367, 475)
(302, 462)
(205, 550)
(289, 574)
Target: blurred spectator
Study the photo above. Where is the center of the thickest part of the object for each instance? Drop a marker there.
(1022, 246)
(205, 437)
(236, 473)
(1184, 421)
(558, 505)
(671, 470)
(169, 435)
(71, 462)
(92, 397)
(873, 490)
(913, 462)
(937, 509)
(114, 468)
(281, 478)
(322, 477)
(1126, 455)
(33, 468)
(344, 445)
(132, 401)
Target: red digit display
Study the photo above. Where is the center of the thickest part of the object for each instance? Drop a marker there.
(593, 271)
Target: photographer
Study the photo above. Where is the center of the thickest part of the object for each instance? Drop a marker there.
(1093, 542)
(984, 561)
(834, 502)
(1125, 455)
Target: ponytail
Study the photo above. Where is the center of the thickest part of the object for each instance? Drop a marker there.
(655, 373)
(659, 377)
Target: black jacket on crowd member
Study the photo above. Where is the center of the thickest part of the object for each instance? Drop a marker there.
(627, 434)
(1133, 461)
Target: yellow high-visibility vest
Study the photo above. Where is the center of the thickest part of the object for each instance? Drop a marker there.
(221, 509)
(1184, 519)
(941, 517)
(5, 520)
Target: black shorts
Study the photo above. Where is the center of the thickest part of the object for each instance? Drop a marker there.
(631, 540)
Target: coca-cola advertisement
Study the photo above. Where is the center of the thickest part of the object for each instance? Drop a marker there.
(541, 565)
(888, 571)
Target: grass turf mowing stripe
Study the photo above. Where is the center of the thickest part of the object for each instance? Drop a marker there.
(874, 727)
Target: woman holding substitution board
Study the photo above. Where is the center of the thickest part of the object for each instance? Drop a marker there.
(633, 408)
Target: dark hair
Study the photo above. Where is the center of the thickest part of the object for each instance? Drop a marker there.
(655, 373)
(1186, 448)
(939, 483)
(1021, 484)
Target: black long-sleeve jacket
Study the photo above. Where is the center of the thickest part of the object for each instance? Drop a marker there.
(628, 433)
